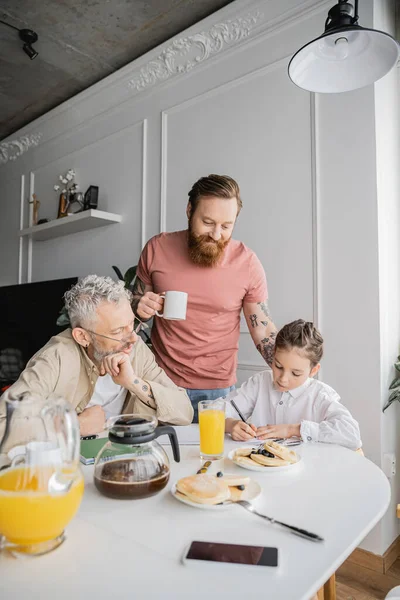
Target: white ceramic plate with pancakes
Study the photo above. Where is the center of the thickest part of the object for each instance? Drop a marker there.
(251, 492)
(289, 459)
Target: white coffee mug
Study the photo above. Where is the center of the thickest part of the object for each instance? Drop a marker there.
(175, 304)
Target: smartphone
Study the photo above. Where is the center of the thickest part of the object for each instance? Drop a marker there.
(259, 556)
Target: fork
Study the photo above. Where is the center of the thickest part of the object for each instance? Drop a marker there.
(295, 530)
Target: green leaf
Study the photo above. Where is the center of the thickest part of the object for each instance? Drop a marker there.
(392, 398)
(118, 272)
(395, 383)
(397, 366)
(63, 319)
(395, 395)
(130, 276)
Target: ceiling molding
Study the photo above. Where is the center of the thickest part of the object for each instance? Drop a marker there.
(178, 57)
(12, 149)
(186, 53)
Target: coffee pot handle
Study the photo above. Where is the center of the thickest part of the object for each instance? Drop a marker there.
(170, 431)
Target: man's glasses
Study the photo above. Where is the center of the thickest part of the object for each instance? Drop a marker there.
(135, 329)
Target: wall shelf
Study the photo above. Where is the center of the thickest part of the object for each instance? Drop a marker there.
(87, 219)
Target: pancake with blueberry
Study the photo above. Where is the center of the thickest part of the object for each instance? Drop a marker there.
(203, 489)
(279, 451)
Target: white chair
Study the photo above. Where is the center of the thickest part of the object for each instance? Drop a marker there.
(394, 594)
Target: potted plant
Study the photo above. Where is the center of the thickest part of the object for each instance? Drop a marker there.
(394, 386)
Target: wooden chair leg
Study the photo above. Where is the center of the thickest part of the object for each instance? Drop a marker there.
(330, 588)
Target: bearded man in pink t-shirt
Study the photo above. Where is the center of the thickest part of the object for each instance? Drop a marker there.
(221, 277)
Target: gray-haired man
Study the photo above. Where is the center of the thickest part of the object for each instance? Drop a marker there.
(100, 365)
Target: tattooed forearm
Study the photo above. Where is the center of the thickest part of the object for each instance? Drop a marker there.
(266, 348)
(264, 308)
(145, 394)
(253, 320)
(137, 293)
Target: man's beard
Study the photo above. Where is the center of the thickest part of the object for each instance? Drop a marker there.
(203, 250)
(99, 355)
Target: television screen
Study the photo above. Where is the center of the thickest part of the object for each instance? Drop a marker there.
(28, 319)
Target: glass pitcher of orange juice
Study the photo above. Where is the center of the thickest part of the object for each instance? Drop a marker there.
(41, 484)
(212, 428)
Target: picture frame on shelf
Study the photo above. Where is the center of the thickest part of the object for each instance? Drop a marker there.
(91, 197)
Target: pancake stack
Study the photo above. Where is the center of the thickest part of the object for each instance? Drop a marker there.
(270, 454)
(208, 489)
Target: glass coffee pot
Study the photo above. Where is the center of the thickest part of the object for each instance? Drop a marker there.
(132, 464)
(41, 484)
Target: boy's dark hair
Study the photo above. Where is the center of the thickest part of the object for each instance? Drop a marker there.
(304, 336)
(220, 186)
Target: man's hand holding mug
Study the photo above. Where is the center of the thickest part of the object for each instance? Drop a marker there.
(172, 304)
(148, 304)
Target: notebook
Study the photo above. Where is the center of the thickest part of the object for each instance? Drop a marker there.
(90, 449)
(188, 435)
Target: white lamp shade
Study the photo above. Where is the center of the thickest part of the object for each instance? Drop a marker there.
(343, 60)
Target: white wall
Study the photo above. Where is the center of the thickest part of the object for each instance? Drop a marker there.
(316, 174)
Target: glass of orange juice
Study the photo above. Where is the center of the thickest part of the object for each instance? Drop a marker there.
(212, 429)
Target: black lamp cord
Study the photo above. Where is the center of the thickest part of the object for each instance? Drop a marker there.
(355, 12)
(8, 25)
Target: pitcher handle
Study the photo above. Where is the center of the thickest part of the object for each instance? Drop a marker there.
(9, 412)
(170, 431)
(18, 460)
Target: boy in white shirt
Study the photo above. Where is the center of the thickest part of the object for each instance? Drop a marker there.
(288, 401)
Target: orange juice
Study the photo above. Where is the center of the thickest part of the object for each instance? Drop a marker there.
(29, 514)
(212, 431)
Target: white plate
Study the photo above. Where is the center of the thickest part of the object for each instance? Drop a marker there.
(253, 491)
(263, 469)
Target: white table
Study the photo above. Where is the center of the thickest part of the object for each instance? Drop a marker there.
(132, 549)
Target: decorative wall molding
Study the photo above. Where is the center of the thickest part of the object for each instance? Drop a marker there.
(186, 53)
(315, 195)
(13, 149)
(243, 79)
(21, 226)
(245, 366)
(142, 74)
(144, 182)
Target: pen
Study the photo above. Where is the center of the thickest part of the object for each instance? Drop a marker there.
(238, 411)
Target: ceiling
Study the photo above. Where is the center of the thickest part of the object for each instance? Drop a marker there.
(80, 42)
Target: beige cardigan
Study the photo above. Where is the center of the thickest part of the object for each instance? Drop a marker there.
(63, 368)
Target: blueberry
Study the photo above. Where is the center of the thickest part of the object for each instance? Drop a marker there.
(269, 454)
(240, 487)
(220, 474)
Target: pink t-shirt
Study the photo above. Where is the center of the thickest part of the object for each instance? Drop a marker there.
(201, 352)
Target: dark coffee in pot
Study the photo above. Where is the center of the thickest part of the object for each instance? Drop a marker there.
(125, 478)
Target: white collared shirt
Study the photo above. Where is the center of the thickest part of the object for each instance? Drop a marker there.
(314, 405)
